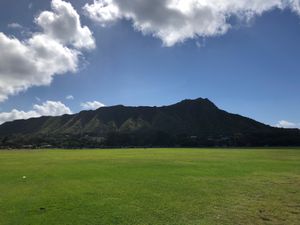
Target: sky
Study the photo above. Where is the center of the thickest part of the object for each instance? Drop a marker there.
(60, 57)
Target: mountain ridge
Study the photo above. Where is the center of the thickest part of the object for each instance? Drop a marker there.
(197, 122)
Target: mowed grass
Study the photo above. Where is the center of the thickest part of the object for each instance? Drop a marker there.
(150, 186)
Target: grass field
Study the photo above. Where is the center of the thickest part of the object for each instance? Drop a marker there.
(150, 186)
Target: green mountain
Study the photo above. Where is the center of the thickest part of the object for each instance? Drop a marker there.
(187, 123)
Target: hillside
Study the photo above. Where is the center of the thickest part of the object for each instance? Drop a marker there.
(187, 123)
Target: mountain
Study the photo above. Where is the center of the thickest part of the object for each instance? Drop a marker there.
(188, 123)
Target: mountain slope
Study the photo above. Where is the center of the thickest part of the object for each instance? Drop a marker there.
(187, 123)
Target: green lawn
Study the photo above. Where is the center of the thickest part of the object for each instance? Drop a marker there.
(150, 186)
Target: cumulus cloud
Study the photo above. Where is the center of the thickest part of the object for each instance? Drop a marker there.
(287, 124)
(174, 21)
(51, 108)
(91, 105)
(54, 50)
(63, 25)
(48, 108)
(69, 97)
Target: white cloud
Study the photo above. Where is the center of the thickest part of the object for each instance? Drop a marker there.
(63, 25)
(16, 115)
(14, 25)
(103, 11)
(48, 108)
(287, 124)
(55, 50)
(69, 97)
(174, 21)
(51, 108)
(91, 105)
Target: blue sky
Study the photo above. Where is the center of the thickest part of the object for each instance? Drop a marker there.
(252, 69)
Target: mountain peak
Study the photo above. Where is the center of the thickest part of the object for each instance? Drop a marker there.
(198, 101)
